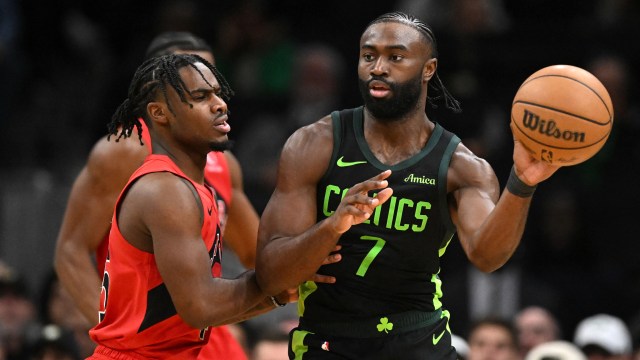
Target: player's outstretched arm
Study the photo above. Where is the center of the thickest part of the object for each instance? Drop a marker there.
(88, 216)
(489, 224)
(291, 245)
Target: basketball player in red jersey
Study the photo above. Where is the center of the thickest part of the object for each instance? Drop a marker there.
(87, 219)
(161, 289)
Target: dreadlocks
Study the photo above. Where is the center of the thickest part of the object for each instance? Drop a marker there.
(427, 32)
(156, 74)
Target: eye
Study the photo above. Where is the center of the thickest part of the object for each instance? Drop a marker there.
(396, 57)
(368, 57)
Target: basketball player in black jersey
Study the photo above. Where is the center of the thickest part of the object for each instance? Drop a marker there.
(391, 186)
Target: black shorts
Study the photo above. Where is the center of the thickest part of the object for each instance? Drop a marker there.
(432, 342)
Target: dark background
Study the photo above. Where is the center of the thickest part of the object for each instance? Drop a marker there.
(66, 65)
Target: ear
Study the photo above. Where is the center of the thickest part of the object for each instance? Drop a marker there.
(429, 69)
(157, 112)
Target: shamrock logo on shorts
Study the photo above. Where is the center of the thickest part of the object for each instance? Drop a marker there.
(385, 325)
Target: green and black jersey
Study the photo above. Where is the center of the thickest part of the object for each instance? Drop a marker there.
(390, 263)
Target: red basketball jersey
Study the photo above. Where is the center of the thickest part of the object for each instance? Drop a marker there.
(137, 314)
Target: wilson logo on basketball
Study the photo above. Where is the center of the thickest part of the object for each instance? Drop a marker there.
(550, 128)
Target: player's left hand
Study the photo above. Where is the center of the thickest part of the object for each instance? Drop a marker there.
(530, 170)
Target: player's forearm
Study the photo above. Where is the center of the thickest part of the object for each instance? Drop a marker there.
(500, 235)
(77, 274)
(285, 263)
(223, 302)
(262, 307)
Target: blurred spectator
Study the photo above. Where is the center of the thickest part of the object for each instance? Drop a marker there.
(616, 263)
(634, 328)
(535, 325)
(557, 252)
(255, 52)
(603, 336)
(555, 350)
(54, 344)
(317, 81)
(492, 339)
(272, 344)
(472, 295)
(58, 310)
(18, 319)
(461, 346)
(271, 328)
(316, 91)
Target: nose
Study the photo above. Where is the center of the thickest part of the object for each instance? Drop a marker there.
(219, 105)
(379, 67)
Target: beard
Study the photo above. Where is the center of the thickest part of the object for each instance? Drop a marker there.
(403, 100)
(221, 146)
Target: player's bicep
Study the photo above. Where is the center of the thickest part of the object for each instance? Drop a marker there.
(173, 218)
(292, 207)
(475, 195)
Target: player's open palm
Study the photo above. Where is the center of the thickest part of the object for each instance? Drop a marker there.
(358, 205)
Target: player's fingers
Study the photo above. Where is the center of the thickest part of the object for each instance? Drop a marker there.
(377, 182)
(331, 259)
(384, 195)
(325, 279)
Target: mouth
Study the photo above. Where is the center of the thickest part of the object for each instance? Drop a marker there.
(379, 89)
(220, 123)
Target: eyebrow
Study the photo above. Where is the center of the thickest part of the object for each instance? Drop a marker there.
(204, 90)
(388, 47)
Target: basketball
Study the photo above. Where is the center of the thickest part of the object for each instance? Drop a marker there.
(562, 115)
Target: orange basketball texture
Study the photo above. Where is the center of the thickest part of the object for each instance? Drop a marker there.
(562, 114)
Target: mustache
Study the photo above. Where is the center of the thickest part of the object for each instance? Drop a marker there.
(381, 79)
(228, 113)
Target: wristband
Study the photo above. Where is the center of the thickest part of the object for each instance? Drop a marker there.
(517, 187)
(275, 302)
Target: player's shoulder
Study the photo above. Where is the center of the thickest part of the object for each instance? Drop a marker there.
(319, 131)
(467, 168)
(110, 156)
(123, 148)
(311, 145)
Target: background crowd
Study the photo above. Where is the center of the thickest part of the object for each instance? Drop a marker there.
(64, 66)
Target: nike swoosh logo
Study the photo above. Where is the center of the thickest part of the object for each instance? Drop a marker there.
(342, 163)
(435, 339)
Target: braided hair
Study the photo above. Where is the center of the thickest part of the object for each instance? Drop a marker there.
(427, 32)
(153, 76)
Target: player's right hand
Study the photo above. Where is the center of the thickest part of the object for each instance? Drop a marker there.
(357, 206)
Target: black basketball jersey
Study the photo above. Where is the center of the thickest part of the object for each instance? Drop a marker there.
(390, 263)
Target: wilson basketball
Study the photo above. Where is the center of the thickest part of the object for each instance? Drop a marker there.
(562, 114)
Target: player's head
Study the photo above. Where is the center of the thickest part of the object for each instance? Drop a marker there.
(179, 42)
(153, 81)
(398, 60)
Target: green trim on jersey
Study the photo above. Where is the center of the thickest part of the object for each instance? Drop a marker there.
(442, 185)
(305, 289)
(297, 343)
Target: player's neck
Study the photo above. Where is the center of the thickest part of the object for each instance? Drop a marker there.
(191, 164)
